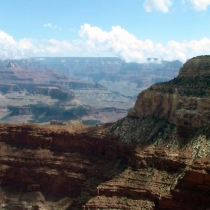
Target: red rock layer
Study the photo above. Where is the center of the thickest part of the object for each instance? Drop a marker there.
(89, 169)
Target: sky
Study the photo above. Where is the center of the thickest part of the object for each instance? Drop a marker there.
(133, 30)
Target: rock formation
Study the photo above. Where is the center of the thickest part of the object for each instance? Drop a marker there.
(24, 85)
(198, 66)
(183, 101)
(155, 158)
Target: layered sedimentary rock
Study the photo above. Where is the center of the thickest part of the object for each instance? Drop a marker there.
(25, 86)
(123, 79)
(183, 101)
(155, 158)
(76, 167)
(198, 66)
(57, 161)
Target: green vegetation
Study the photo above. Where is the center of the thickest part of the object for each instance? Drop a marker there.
(187, 86)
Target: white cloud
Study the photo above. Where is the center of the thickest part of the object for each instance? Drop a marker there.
(96, 42)
(50, 25)
(158, 5)
(200, 4)
(164, 5)
(117, 42)
(8, 46)
(125, 45)
(47, 25)
(191, 48)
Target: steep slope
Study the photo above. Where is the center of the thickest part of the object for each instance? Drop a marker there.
(151, 159)
(183, 101)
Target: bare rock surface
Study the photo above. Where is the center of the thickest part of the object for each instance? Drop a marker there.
(183, 101)
(157, 158)
(78, 167)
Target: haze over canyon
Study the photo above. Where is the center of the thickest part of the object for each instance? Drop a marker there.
(88, 90)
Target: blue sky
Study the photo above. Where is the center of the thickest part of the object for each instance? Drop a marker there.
(130, 29)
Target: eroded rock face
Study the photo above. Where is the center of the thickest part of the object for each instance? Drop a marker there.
(57, 161)
(198, 66)
(155, 103)
(76, 167)
(55, 96)
(183, 101)
(156, 158)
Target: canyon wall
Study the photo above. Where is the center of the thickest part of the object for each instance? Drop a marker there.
(155, 158)
(183, 101)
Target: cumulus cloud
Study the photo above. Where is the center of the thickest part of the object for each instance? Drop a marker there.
(157, 5)
(118, 42)
(121, 43)
(11, 49)
(8, 46)
(200, 4)
(96, 42)
(191, 48)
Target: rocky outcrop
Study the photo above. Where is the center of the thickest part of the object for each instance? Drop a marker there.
(91, 167)
(12, 64)
(58, 160)
(198, 66)
(183, 101)
(54, 92)
(9, 88)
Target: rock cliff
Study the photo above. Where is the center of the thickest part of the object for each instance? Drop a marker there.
(183, 101)
(155, 158)
(198, 66)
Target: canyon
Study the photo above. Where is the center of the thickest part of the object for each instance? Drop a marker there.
(157, 157)
(93, 90)
(42, 96)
